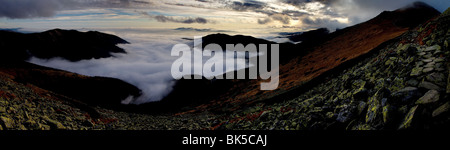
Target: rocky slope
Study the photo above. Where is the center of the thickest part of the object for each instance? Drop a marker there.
(403, 84)
(28, 107)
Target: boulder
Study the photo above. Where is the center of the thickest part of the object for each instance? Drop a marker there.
(437, 78)
(406, 94)
(410, 118)
(429, 85)
(441, 109)
(7, 122)
(430, 97)
(416, 71)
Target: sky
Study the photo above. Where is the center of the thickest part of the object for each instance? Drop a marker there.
(248, 16)
(153, 27)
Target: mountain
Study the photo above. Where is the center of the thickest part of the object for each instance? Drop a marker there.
(403, 84)
(305, 64)
(68, 44)
(73, 45)
(313, 35)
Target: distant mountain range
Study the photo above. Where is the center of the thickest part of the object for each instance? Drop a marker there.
(68, 44)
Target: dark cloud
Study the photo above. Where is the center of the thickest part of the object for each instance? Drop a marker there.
(20, 9)
(247, 5)
(285, 19)
(186, 20)
(294, 13)
(17, 9)
(162, 18)
(302, 2)
(264, 21)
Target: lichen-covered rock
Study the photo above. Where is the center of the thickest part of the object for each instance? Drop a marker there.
(55, 125)
(426, 70)
(448, 82)
(406, 94)
(388, 113)
(416, 71)
(437, 78)
(429, 85)
(430, 97)
(441, 109)
(433, 48)
(374, 107)
(7, 122)
(409, 119)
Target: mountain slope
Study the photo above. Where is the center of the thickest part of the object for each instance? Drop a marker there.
(339, 47)
(403, 84)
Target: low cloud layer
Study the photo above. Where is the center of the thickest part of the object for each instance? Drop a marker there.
(147, 64)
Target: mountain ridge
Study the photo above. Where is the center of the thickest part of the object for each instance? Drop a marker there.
(59, 43)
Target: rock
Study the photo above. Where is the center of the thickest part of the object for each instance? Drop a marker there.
(430, 86)
(416, 71)
(406, 94)
(441, 109)
(429, 65)
(432, 48)
(412, 82)
(2, 109)
(384, 102)
(430, 97)
(448, 83)
(374, 106)
(437, 78)
(428, 60)
(362, 106)
(409, 119)
(7, 122)
(391, 61)
(344, 116)
(361, 94)
(388, 113)
(55, 125)
(426, 70)
(439, 60)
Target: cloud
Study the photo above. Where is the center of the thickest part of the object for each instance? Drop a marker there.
(331, 24)
(21, 9)
(264, 21)
(283, 18)
(17, 9)
(186, 20)
(162, 18)
(147, 64)
(246, 5)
